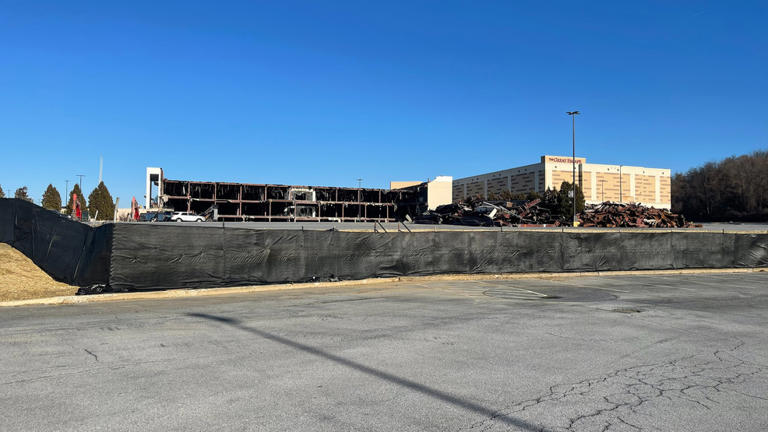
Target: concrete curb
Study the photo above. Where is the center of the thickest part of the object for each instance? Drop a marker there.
(203, 292)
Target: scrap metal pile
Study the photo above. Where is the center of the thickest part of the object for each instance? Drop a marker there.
(477, 212)
(611, 215)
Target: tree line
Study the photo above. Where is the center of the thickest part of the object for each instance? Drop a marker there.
(733, 189)
(100, 204)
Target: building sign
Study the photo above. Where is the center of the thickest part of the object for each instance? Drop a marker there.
(561, 159)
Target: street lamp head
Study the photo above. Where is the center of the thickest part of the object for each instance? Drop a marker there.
(572, 112)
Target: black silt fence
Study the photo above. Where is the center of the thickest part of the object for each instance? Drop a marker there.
(69, 251)
(160, 257)
(157, 256)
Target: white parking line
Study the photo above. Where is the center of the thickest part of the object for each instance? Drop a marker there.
(582, 286)
(512, 287)
(512, 294)
(510, 291)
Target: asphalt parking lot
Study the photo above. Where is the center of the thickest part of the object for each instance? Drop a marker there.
(614, 353)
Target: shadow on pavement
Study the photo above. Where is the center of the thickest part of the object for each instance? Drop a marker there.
(412, 385)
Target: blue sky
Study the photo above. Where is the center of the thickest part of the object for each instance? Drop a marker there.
(322, 93)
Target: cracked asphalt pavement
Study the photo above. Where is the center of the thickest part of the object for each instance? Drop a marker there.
(603, 353)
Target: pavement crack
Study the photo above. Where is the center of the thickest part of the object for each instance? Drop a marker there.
(92, 354)
(626, 423)
(611, 401)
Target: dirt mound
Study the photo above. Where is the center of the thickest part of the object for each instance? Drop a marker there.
(21, 279)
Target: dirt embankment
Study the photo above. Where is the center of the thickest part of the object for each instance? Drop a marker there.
(21, 279)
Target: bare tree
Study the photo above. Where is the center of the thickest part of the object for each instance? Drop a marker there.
(735, 188)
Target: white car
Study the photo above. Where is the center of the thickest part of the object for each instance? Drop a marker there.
(186, 217)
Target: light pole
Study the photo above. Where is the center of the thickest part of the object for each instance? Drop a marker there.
(573, 115)
(66, 192)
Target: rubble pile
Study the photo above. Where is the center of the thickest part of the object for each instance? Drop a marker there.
(612, 215)
(476, 212)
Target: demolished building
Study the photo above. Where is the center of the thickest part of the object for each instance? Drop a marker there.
(275, 202)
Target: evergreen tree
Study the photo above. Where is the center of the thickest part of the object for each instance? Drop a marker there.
(51, 199)
(565, 201)
(100, 201)
(21, 193)
(519, 196)
(80, 199)
(533, 195)
(2, 194)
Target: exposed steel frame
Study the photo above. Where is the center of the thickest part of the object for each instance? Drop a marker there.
(370, 205)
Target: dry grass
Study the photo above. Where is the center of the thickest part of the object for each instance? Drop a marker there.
(21, 279)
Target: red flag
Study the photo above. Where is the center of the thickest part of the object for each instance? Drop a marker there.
(134, 209)
(76, 207)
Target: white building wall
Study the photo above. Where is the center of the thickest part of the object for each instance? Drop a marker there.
(153, 175)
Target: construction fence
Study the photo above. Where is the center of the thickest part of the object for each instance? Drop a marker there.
(157, 256)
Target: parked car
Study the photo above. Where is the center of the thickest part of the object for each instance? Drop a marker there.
(163, 216)
(147, 217)
(186, 217)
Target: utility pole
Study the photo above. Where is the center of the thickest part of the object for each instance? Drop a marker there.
(359, 183)
(81, 181)
(573, 115)
(66, 192)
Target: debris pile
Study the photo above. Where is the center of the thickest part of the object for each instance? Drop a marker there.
(548, 211)
(476, 212)
(612, 215)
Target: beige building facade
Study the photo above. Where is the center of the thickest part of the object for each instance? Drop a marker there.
(439, 191)
(600, 182)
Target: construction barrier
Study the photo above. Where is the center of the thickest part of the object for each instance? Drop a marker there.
(69, 251)
(157, 256)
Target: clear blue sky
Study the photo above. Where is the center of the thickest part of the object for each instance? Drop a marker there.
(324, 92)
